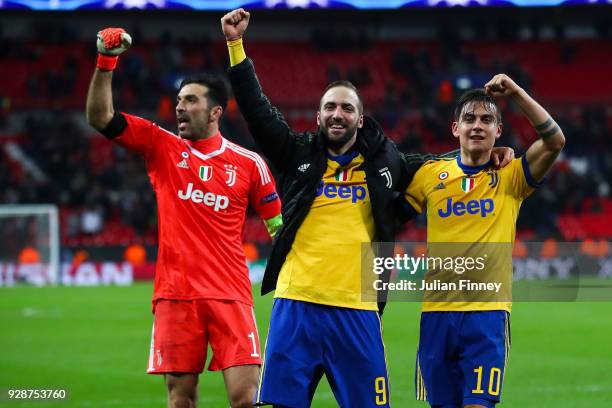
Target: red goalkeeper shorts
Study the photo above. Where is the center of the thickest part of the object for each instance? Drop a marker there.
(182, 330)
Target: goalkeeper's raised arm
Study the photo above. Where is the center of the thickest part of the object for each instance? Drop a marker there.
(111, 43)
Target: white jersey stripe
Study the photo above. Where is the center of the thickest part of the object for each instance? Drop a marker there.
(151, 367)
(265, 179)
(251, 153)
(261, 165)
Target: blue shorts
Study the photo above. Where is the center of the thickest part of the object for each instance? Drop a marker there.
(462, 358)
(307, 340)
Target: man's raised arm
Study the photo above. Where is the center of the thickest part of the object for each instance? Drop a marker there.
(269, 128)
(542, 153)
(99, 107)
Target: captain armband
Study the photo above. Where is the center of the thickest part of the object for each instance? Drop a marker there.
(273, 224)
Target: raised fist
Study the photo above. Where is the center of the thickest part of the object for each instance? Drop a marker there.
(113, 41)
(234, 23)
(501, 85)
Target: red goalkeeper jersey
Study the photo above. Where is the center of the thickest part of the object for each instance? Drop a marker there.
(203, 189)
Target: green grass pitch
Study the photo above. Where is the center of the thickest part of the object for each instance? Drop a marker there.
(94, 342)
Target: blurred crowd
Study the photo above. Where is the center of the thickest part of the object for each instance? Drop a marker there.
(50, 155)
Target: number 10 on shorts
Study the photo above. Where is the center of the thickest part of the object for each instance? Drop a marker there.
(494, 381)
(254, 341)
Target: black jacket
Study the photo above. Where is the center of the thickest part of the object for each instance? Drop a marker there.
(301, 160)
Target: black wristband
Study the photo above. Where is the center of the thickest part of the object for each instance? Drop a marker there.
(115, 127)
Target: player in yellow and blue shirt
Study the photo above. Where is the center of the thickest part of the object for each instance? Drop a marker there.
(342, 201)
(464, 341)
(339, 187)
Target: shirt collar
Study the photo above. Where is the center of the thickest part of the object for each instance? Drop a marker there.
(207, 145)
(343, 159)
(471, 170)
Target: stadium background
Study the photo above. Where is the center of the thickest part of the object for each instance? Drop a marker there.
(409, 65)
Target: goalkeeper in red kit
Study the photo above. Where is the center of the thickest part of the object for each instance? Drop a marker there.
(203, 184)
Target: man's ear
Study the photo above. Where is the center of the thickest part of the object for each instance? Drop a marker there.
(455, 129)
(318, 118)
(500, 127)
(216, 113)
(360, 122)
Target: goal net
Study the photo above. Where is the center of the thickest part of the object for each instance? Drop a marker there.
(29, 244)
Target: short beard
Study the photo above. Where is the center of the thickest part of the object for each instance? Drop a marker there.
(337, 144)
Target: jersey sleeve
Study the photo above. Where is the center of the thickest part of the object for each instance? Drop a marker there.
(139, 136)
(263, 196)
(415, 193)
(521, 183)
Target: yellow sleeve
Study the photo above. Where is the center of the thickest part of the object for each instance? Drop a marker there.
(415, 193)
(236, 51)
(520, 182)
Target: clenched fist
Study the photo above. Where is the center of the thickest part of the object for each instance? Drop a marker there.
(501, 85)
(234, 24)
(113, 41)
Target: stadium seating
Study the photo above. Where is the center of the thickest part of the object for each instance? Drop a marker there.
(57, 76)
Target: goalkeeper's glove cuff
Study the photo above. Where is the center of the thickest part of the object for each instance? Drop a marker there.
(107, 62)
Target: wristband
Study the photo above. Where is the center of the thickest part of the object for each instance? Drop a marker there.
(106, 62)
(236, 51)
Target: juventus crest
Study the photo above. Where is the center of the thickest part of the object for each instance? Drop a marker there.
(387, 175)
(230, 171)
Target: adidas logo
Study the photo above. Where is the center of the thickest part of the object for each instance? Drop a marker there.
(183, 164)
(304, 167)
(440, 186)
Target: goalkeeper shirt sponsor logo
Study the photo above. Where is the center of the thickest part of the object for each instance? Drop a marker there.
(218, 202)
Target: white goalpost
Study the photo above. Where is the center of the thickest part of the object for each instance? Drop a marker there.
(29, 244)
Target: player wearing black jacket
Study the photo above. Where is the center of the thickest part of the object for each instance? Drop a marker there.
(319, 323)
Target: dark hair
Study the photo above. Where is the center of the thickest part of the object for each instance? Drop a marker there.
(217, 94)
(346, 84)
(477, 95)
